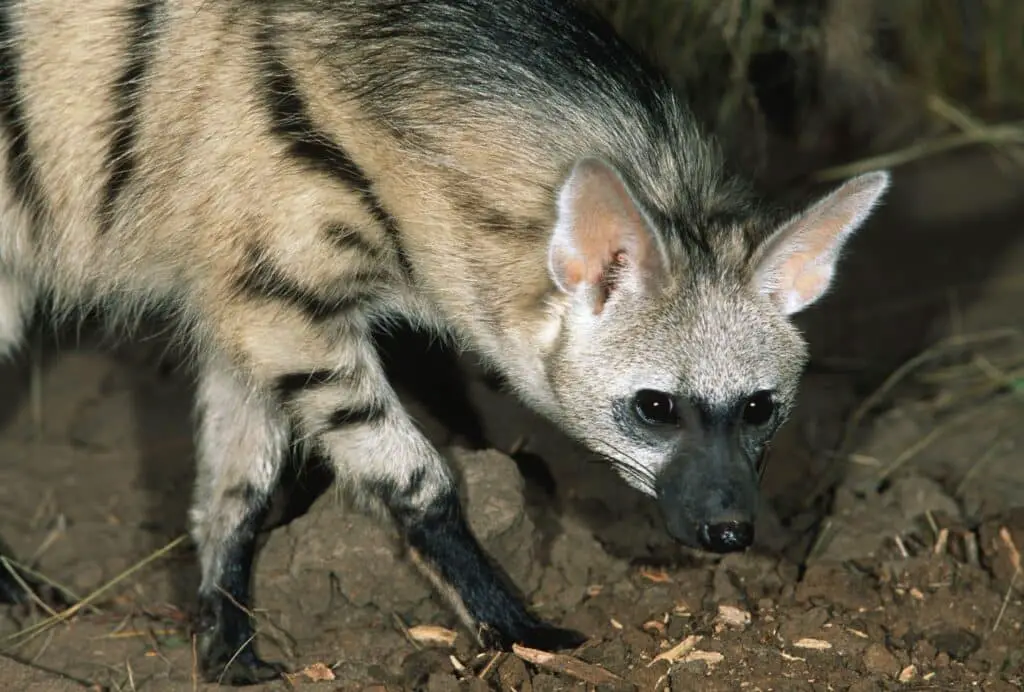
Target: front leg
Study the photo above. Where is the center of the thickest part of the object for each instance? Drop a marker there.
(373, 446)
(241, 445)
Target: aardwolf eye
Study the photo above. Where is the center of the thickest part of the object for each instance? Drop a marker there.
(758, 408)
(655, 408)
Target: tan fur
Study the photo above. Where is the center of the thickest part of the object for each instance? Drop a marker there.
(275, 255)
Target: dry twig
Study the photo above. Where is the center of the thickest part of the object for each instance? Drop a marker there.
(571, 667)
(1015, 562)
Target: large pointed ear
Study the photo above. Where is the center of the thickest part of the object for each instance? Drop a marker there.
(601, 237)
(798, 261)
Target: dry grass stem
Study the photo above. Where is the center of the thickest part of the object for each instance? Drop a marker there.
(820, 540)
(942, 348)
(678, 651)
(234, 656)
(32, 631)
(978, 464)
(195, 665)
(1015, 562)
(901, 546)
(404, 629)
(932, 524)
(968, 124)
(911, 452)
(491, 665)
(1001, 135)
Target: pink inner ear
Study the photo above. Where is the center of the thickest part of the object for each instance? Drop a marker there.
(608, 232)
(800, 276)
(799, 261)
(574, 271)
(806, 270)
(598, 234)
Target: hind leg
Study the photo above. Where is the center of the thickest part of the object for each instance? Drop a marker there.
(16, 302)
(242, 443)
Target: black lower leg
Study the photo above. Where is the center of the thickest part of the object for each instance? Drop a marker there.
(453, 557)
(11, 592)
(227, 651)
(19, 588)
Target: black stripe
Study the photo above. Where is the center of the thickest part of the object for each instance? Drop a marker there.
(290, 120)
(21, 167)
(287, 386)
(261, 279)
(398, 497)
(363, 415)
(121, 159)
(476, 208)
(247, 493)
(345, 237)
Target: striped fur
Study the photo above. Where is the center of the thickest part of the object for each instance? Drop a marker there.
(282, 175)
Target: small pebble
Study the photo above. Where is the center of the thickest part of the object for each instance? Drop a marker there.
(732, 616)
(512, 673)
(879, 660)
(959, 643)
(908, 673)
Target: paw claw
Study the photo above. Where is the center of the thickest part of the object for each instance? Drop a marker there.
(550, 638)
(246, 669)
(538, 635)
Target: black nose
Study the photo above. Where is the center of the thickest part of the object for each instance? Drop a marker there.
(727, 537)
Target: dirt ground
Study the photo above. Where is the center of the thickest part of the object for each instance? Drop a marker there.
(902, 576)
(891, 563)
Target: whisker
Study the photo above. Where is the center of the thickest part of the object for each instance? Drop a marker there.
(618, 451)
(631, 472)
(762, 462)
(624, 468)
(638, 482)
(634, 463)
(639, 474)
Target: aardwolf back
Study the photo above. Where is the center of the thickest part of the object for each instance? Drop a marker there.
(281, 177)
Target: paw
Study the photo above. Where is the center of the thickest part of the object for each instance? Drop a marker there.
(535, 635)
(227, 655)
(550, 638)
(232, 660)
(223, 667)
